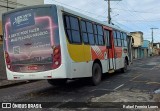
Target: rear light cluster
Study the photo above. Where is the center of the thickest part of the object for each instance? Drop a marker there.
(8, 61)
(56, 57)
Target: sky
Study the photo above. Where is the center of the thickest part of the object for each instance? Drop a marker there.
(130, 15)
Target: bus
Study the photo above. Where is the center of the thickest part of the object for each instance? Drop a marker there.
(57, 44)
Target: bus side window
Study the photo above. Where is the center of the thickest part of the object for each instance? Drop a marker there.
(72, 29)
(84, 32)
(68, 27)
(115, 38)
(90, 33)
(125, 39)
(67, 22)
(119, 39)
(75, 30)
(122, 39)
(107, 35)
(125, 36)
(95, 34)
(100, 35)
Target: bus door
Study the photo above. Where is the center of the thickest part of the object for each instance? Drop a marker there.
(109, 47)
(129, 41)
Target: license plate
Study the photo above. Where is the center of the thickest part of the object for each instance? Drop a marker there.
(34, 67)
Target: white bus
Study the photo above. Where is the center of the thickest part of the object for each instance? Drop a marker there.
(54, 43)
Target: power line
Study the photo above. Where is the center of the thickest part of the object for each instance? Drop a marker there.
(132, 14)
(93, 3)
(11, 2)
(139, 20)
(150, 25)
(130, 28)
(79, 9)
(129, 18)
(139, 15)
(134, 11)
(116, 4)
(109, 11)
(7, 7)
(123, 25)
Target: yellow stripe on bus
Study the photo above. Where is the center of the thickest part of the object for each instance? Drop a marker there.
(79, 53)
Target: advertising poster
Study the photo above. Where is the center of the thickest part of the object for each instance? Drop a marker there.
(29, 37)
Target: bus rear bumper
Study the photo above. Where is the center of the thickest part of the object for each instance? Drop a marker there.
(51, 74)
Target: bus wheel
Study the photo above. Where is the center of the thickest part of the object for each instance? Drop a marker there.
(124, 69)
(57, 82)
(96, 74)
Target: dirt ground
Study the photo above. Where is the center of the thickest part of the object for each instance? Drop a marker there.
(128, 96)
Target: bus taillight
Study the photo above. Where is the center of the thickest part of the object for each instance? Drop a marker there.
(8, 61)
(56, 57)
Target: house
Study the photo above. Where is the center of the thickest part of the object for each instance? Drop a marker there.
(138, 42)
(145, 49)
(156, 48)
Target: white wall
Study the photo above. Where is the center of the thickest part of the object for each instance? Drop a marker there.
(157, 45)
(30, 2)
(138, 39)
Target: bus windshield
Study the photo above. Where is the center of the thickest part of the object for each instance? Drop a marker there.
(29, 35)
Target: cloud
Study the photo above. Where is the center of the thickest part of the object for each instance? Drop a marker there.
(133, 15)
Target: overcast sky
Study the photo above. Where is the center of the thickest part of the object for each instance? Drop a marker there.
(131, 15)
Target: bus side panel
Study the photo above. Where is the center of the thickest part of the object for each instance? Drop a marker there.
(100, 52)
(118, 53)
(80, 59)
(74, 57)
(105, 66)
(124, 54)
(65, 70)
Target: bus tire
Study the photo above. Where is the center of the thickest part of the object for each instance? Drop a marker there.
(96, 74)
(57, 82)
(124, 69)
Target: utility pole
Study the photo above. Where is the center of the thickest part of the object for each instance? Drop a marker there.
(152, 38)
(109, 10)
(109, 14)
